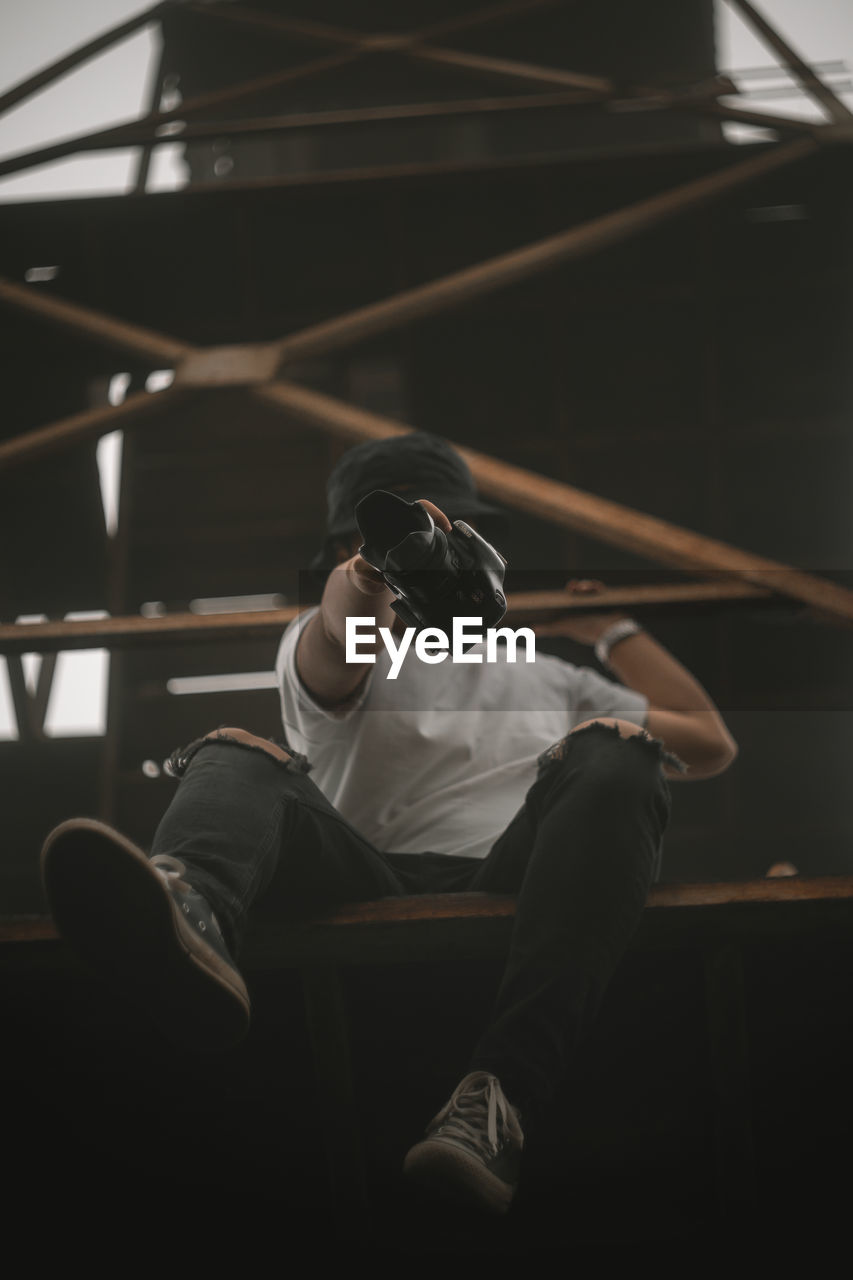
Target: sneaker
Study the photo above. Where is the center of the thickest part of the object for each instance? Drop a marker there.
(140, 923)
(472, 1149)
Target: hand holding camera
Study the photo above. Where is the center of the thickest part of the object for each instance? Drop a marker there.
(436, 569)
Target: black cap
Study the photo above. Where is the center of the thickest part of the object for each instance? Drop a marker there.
(416, 465)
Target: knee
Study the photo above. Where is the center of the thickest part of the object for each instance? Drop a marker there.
(249, 740)
(616, 757)
(625, 728)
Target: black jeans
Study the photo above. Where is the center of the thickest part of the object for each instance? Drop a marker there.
(581, 854)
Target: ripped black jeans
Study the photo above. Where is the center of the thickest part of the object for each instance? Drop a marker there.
(581, 855)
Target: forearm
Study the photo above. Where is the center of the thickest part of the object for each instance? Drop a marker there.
(352, 590)
(642, 663)
(680, 710)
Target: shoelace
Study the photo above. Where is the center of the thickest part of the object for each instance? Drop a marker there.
(471, 1115)
(171, 870)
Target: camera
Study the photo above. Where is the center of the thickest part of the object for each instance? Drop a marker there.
(435, 576)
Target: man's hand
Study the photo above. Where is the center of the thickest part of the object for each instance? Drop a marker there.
(438, 516)
(369, 581)
(353, 589)
(364, 577)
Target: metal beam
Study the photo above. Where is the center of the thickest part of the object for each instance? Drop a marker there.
(25, 88)
(535, 607)
(543, 255)
(572, 508)
(801, 70)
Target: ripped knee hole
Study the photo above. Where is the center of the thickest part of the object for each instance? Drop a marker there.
(249, 740)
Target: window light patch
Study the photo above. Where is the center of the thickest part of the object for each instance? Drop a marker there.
(35, 275)
(8, 719)
(778, 213)
(77, 706)
(159, 379)
(234, 682)
(108, 454)
(117, 391)
(237, 604)
(31, 662)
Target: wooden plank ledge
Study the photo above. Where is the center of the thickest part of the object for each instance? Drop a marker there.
(427, 926)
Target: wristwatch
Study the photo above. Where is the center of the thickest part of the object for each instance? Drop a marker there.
(620, 630)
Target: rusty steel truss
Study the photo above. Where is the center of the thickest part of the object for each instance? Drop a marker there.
(259, 368)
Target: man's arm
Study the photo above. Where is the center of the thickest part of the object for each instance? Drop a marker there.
(353, 590)
(680, 712)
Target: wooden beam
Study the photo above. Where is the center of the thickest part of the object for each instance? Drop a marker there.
(144, 135)
(145, 344)
(480, 18)
(617, 525)
(508, 69)
(327, 33)
(276, 24)
(90, 424)
(745, 115)
(137, 131)
(483, 106)
(85, 322)
(435, 296)
(134, 631)
(372, 115)
(673, 914)
(30, 709)
(534, 607)
(800, 69)
(143, 160)
(25, 88)
(415, 44)
(539, 606)
(143, 131)
(562, 504)
(533, 259)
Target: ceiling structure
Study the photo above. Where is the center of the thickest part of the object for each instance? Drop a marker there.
(634, 156)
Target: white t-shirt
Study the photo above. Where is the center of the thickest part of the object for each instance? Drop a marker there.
(440, 759)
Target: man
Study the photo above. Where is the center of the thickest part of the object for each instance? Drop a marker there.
(537, 779)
